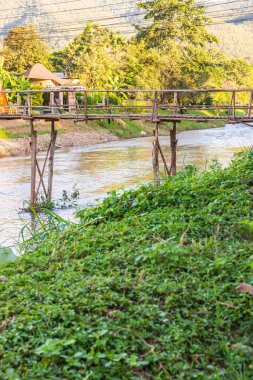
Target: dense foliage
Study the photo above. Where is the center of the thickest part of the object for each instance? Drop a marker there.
(11, 81)
(179, 22)
(93, 56)
(142, 287)
(172, 48)
(22, 48)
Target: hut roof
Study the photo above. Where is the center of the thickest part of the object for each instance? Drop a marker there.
(39, 72)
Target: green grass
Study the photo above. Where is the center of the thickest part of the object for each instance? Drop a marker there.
(127, 129)
(188, 125)
(143, 287)
(194, 125)
(134, 128)
(4, 134)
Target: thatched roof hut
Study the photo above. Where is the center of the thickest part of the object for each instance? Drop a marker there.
(38, 74)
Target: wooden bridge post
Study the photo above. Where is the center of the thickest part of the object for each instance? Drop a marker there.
(40, 171)
(155, 155)
(52, 102)
(33, 163)
(29, 105)
(155, 107)
(173, 145)
(166, 169)
(51, 160)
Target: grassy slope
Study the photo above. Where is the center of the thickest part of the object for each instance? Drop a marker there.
(134, 128)
(142, 288)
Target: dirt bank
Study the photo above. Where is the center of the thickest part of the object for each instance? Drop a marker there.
(15, 140)
(68, 136)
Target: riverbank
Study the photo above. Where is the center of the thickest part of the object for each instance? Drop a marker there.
(15, 140)
(143, 287)
(16, 136)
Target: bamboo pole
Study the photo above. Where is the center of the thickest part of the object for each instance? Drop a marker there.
(173, 145)
(51, 161)
(33, 163)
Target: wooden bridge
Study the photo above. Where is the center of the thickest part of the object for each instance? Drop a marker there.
(233, 106)
(155, 106)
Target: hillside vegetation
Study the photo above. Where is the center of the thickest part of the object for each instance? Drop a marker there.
(60, 23)
(162, 55)
(235, 39)
(142, 287)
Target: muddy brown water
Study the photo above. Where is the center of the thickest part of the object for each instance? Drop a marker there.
(101, 168)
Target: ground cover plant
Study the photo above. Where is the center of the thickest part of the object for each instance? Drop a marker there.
(143, 287)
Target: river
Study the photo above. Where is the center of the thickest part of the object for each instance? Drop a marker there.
(98, 169)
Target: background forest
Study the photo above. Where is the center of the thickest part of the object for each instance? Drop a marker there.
(173, 47)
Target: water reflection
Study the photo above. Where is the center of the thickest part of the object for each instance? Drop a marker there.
(100, 168)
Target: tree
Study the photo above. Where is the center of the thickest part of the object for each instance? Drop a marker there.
(139, 66)
(174, 29)
(174, 21)
(239, 71)
(93, 56)
(22, 48)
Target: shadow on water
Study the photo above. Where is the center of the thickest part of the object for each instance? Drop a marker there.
(101, 168)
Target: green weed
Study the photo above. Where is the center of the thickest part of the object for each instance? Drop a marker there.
(4, 134)
(143, 287)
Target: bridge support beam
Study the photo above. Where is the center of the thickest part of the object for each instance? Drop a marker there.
(158, 150)
(33, 145)
(51, 161)
(38, 174)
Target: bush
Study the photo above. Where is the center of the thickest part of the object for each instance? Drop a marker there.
(140, 103)
(37, 98)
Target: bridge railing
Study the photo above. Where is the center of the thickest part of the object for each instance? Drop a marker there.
(152, 105)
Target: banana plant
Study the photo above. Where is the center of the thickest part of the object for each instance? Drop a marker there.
(10, 81)
(115, 83)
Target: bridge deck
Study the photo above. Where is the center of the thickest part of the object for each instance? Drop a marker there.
(130, 116)
(155, 105)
